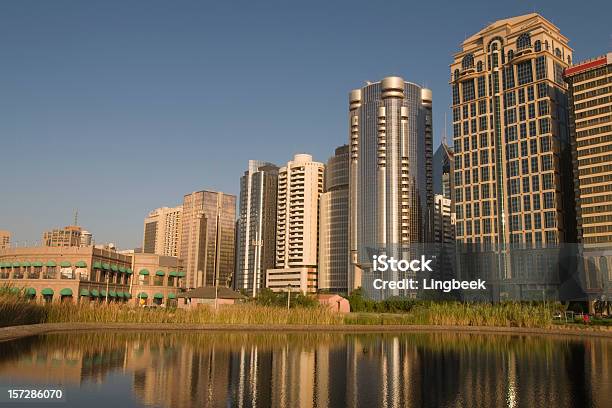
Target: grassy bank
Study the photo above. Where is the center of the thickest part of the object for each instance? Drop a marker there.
(16, 310)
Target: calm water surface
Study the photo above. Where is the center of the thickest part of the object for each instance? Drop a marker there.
(311, 370)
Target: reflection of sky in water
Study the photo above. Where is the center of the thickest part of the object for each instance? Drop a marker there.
(309, 369)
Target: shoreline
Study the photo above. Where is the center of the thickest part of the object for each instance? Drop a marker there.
(18, 332)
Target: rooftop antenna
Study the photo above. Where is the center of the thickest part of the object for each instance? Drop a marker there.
(76, 217)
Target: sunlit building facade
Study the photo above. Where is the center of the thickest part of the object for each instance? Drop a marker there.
(333, 224)
(162, 231)
(255, 252)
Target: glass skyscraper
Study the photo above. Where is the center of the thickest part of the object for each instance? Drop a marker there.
(390, 184)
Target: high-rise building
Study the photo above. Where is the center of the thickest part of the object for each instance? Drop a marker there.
(333, 224)
(256, 231)
(69, 236)
(443, 165)
(162, 231)
(86, 238)
(444, 220)
(512, 159)
(390, 192)
(5, 239)
(208, 238)
(590, 86)
(300, 183)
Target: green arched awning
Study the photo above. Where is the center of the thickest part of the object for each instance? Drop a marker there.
(65, 264)
(114, 268)
(30, 292)
(160, 273)
(120, 294)
(84, 292)
(97, 265)
(122, 269)
(112, 293)
(102, 293)
(143, 272)
(37, 264)
(173, 273)
(51, 263)
(47, 292)
(16, 264)
(95, 293)
(66, 292)
(158, 296)
(106, 266)
(171, 296)
(81, 264)
(142, 295)
(128, 271)
(181, 274)
(26, 264)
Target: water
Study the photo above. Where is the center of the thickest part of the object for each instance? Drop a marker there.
(106, 369)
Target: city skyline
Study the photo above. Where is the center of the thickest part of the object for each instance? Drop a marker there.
(120, 160)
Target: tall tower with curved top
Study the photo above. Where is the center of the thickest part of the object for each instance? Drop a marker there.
(390, 183)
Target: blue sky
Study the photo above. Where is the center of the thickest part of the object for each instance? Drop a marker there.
(119, 107)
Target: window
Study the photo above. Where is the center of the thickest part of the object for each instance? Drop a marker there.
(483, 123)
(521, 95)
(524, 165)
(545, 144)
(515, 204)
(510, 55)
(530, 93)
(456, 74)
(558, 73)
(468, 90)
(457, 131)
(541, 68)
(455, 94)
(524, 73)
(485, 194)
(544, 125)
(526, 202)
(482, 107)
(531, 107)
(509, 77)
(558, 53)
(523, 130)
(526, 185)
(542, 90)
(549, 200)
(483, 140)
(509, 99)
(481, 87)
(527, 221)
(535, 184)
(484, 156)
(543, 108)
(547, 163)
(547, 181)
(537, 222)
(475, 193)
(523, 41)
(467, 61)
(532, 128)
(538, 46)
(479, 66)
(550, 219)
(513, 168)
(456, 115)
(522, 113)
(484, 172)
(533, 147)
(511, 116)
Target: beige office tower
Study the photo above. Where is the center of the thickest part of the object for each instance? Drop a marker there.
(162, 231)
(86, 238)
(512, 156)
(444, 220)
(591, 128)
(333, 224)
(300, 183)
(69, 236)
(5, 239)
(208, 238)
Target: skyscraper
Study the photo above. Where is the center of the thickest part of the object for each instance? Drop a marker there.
(162, 231)
(333, 224)
(208, 238)
(5, 239)
(391, 192)
(300, 183)
(69, 236)
(512, 159)
(443, 164)
(256, 226)
(590, 85)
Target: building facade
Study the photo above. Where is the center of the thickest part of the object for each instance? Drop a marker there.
(390, 191)
(5, 239)
(208, 238)
(162, 231)
(590, 86)
(300, 183)
(256, 226)
(158, 279)
(69, 236)
(68, 274)
(333, 224)
(443, 165)
(512, 156)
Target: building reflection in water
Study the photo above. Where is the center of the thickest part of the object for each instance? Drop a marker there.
(324, 370)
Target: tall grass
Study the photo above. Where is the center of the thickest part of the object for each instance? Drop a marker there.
(16, 310)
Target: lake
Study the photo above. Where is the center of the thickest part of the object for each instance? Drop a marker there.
(226, 369)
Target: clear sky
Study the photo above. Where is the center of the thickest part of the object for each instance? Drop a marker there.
(120, 107)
